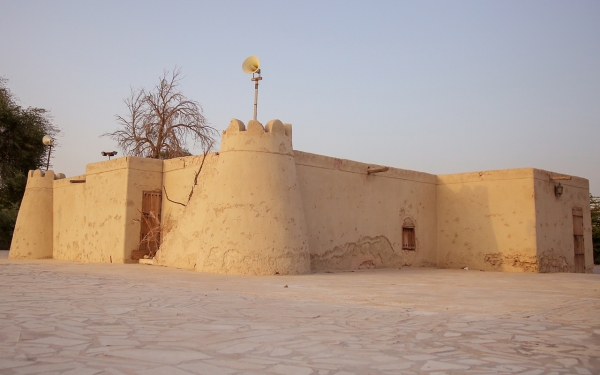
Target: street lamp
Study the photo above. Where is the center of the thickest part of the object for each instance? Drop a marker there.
(48, 141)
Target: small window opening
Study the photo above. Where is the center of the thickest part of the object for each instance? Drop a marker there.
(408, 235)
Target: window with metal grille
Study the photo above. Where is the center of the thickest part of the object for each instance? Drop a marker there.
(409, 241)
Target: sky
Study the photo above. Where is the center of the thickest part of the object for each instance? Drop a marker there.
(433, 86)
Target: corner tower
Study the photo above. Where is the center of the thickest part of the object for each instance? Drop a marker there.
(249, 218)
(32, 238)
(254, 218)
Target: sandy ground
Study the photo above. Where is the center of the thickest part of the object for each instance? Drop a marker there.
(70, 318)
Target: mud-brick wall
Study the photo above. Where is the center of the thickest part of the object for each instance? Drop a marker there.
(555, 245)
(354, 220)
(113, 206)
(179, 175)
(106, 202)
(69, 218)
(179, 178)
(486, 221)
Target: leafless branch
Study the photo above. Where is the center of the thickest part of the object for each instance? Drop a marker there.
(153, 236)
(206, 151)
(160, 121)
(172, 201)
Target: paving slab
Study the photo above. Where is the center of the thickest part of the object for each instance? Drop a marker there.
(71, 318)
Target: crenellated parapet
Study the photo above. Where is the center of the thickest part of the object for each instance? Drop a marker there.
(275, 137)
(41, 179)
(33, 235)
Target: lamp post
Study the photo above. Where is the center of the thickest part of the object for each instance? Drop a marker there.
(48, 141)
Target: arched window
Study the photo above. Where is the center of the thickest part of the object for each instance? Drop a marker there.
(409, 241)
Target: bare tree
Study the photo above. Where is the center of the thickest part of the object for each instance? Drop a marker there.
(160, 121)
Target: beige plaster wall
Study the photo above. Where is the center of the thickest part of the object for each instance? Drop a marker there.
(106, 203)
(354, 220)
(32, 238)
(555, 246)
(178, 179)
(113, 204)
(486, 220)
(69, 219)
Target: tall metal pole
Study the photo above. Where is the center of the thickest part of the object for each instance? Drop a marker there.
(48, 163)
(256, 79)
(255, 98)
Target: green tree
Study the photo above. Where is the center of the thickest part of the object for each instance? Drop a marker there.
(21, 150)
(595, 208)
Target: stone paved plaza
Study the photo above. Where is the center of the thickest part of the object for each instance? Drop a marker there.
(70, 318)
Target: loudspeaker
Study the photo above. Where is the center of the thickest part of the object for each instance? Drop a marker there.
(251, 65)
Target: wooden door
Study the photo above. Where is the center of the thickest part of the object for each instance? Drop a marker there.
(150, 228)
(578, 240)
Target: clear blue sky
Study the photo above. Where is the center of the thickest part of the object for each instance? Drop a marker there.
(433, 86)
